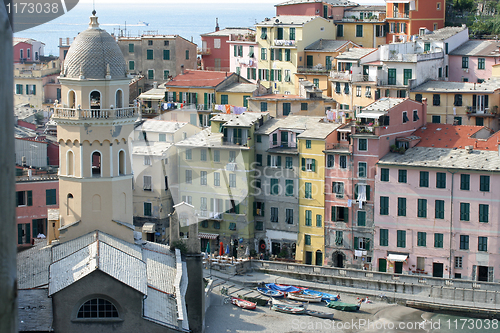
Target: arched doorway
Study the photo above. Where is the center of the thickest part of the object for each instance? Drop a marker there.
(119, 99)
(95, 100)
(71, 99)
(262, 246)
(338, 259)
(319, 258)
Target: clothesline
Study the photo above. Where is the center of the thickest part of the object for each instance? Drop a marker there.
(228, 109)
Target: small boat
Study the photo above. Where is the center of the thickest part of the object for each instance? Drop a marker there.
(319, 314)
(288, 309)
(343, 306)
(283, 288)
(324, 296)
(282, 301)
(270, 293)
(143, 23)
(243, 304)
(257, 300)
(304, 298)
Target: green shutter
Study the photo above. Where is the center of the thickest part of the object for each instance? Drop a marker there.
(303, 164)
(205, 100)
(174, 94)
(30, 198)
(19, 234)
(34, 225)
(279, 161)
(367, 192)
(346, 214)
(200, 116)
(313, 165)
(268, 160)
(28, 234)
(356, 243)
(367, 245)
(334, 213)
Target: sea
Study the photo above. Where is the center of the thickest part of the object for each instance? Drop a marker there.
(189, 20)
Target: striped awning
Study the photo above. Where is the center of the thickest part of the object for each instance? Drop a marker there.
(204, 235)
(148, 228)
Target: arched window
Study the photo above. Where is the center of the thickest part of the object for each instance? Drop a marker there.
(70, 157)
(97, 308)
(121, 163)
(71, 99)
(96, 164)
(69, 204)
(119, 99)
(95, 100)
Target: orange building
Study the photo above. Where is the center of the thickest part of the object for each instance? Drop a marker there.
(407, 17)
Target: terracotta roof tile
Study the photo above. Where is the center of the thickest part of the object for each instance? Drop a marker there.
(458, 136)
(197, 78)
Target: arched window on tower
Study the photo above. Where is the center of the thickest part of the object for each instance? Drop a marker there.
(72, 99)
(121, 163)
(119, 99)
(69, 204)
(96, 164)
(95, 100)
(97, 308)
(70, 157)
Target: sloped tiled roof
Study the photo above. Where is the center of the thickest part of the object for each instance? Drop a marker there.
(161, 126)
(326, 45)
(289, 19)
(383, 104)
(230, 31)
(198, 78)
(443, 33)
(463, 87)
(478, 48)
(457, 136)
(34, 311)
(290, 122)
(355, 53)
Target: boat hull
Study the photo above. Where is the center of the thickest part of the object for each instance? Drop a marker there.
(305, 298)
(343, 306)
(287, 309)
(271, 293)
(319, 314)
(243, 304)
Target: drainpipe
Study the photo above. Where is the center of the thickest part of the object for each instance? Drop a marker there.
(451, 222)
(352, 200)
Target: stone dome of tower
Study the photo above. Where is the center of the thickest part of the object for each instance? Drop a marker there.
(94, 54)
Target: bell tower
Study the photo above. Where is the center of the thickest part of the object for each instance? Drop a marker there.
(94, 121)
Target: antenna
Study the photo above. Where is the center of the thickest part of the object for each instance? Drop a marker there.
(93, 5)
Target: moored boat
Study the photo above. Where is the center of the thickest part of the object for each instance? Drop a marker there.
(271, 293)
(319, 314)
(243, 304)
(343, 306)
(288, 309)
(283, 301)
(324, 296)
(283, 288)
(305, 298)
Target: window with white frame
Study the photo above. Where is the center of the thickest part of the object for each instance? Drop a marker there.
(147, 160)
(216, 43)
(148, 183)
(368, 92)
(405, 117)
(338, 189)
(309, 164)
(343, 136)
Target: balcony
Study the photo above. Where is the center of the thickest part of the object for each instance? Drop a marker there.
(401, 15)
(313, 70)
(365, 129)
(284, 42)
(344, 75)
(474, 111)
(338, 147)
(205, 214)
(233, 141)
(89, 114)
(204, 51)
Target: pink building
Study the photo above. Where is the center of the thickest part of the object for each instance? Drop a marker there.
(27, 50)
(473, 60)
(324, 8)
(215, 47)
(243, 54)
(34, 195)
(350, 176)
(436, 207)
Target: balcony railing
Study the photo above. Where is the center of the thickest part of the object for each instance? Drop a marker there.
(478, 111)
(204, 51)
(205, 214)
(284, 42)
(400, 15)
(233, 141)
(344, 75)
(69, 113)
(313, 70)
(291, 145)
(337, 146)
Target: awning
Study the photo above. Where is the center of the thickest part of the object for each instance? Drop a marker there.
(148, 227)
(204, 235)
(370, 115)
(397, 257)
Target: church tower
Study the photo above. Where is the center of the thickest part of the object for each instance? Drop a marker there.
(94, 121)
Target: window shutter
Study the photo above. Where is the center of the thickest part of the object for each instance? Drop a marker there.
(346, 214)
(268, 160)
(205, 100)
(367, 192)
(35, 228)
(313, 165)
(254, 208)
(334, 213)
(272, 75)
(267, 74)
(201, 120)
(367, 245)
(486, 97)
(279, 161)
(262, 211)
(355, 192)
(174, 94)
(30, 198)
(28, 235)
(356, 243)
(303, 164)
(19, 234)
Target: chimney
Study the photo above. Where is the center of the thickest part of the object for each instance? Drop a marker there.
(321, 44)
(182, 69)
(217, 24)
(155, 85)
(475, 144)
(424, 110)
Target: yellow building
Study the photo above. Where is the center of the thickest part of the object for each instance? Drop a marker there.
(214, 177)
(282, 41)
(311, 240)
(320, 57)
(363, 25)
(461, 103)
